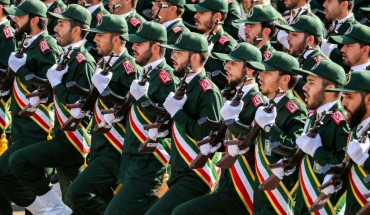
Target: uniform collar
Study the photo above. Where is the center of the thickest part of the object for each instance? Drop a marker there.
(340, 22)
(191, 77)
(29, 41)
(360, 67)
(325, 107)
(247, 88)
(4, 22)
(73, 45)
(114, 59)
(91, 9)
(362, 127)
(278, 98)
(153, 64)
(307, 53)
(125, 15)
(169, 23)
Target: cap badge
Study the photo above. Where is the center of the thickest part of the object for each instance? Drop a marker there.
(349, 30)
(139, 28)
(100, 21)
(178, 39)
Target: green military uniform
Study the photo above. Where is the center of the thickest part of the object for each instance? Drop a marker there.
(56, 7)
(231, 26)
(141, 173)
(357, 9)
(134, 20)
(144, 7)
(41, 53)
(91, 191)
(366, 19)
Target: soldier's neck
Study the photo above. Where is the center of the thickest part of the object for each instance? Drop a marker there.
(35, 31)
(46, 2)
(119, 50)
(95, 2)
(363, 60)
(262, 43)
(343, 15)
(217, 28)
(123, 10)
(3, 18)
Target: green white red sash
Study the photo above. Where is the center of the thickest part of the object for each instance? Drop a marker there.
(188, 150)
(116, 134)
(44, 116)
(80, 139)
(280, 198)
(5, 117)
(137, 121)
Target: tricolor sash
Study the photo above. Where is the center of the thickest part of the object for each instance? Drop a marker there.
(116, 134)
(187, 148)
(44, 115)
(5, 117)
(137, 121)
(80, 139)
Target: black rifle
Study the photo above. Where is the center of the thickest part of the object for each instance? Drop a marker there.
(86, 103)
(157, 17)
(292, 156)
(163, 120)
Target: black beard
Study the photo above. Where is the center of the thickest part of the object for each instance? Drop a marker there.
(180, 72)
(146, 57)
(357, 115)
(318, 101)
(26, 28)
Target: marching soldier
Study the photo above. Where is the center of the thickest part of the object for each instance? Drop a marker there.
(40, 53)
(284, 124)
(202, 99)
(207, 12)
(54, 6)
(141, 173)
(355, 47)
(106, 148)
(227, 200)
(356, 99)
(326, 148)
(66, 150)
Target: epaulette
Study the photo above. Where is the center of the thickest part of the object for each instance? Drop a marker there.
(338, 117)
(318, 58)
(177, 29)
(127, 65)
(267, 54)
(204, 83)
(80, 57)
(164, 76)
(257, 100)
(57, 10)
(44, 46)
(99, 15)
(223, 40)
(8, 32)
(134, 21)
(292, 107)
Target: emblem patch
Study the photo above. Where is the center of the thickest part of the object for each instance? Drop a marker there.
(44, 46)
(205, 85)
(8, 32)
(80, 57)
(292, 107)
(164, 76)
(128, 67)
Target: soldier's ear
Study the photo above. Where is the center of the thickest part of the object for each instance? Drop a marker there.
(366, 50)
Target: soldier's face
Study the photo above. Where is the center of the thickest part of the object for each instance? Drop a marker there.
(142, 52)
(355, 105)
(63, 32)
(180, 60)
(251, 31)
(297, 43)
(291, 4)
(269, 82)
(22, 25)
(204, 21)
(351, 54)
(314, 92)
(235, 72)
(164, 11)
(104, 43)
(332, 9)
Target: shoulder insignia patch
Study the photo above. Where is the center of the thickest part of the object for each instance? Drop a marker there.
(44, 46)
(229, 1)
(8, 32)
(318, 59)
(80, 58)
(223, 40)
(134, 21)
(338, 117)
(205, 85)
(176, 29)
(257, 100)
(164, 76)
(193, 1)
(99, 15)
(57, 10)
(267, 54)
(292, 107)
(127, 65)
(310, 113)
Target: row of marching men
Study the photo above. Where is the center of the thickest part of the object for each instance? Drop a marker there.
(144, 112)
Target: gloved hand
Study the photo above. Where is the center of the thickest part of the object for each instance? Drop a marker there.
(263, 118)
(330, 189)
(77, 113)
(54, 76)
(154, 134)
(282, 37)
(16, 63)
(138, 91)
(230, 112)
(234, 150)
(207, 149)
(103, 123)
(101, 81)
(280, 172)
(173, 105)
(327, 47)
(110, 119)
(308, 144)
(358, 152)
(4, 93)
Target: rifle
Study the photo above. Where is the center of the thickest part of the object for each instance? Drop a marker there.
(86, 103)
(339, 172)
(228, 93)
(8, 80)
(212, 33)
(115, 7)
(44, 87)
(366, 208)
(157, 17)
(83, 3)
(300, 57)
(292, 156)
(163, 120)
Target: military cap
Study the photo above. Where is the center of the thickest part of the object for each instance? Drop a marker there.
(6, 2)
(209, 5)
(242, 52)
(325, 69)
(190, 42)
(260, 13)
(365, 9)
(111, 23)
(360, 81)
(306, 24)
(179, 3)
(356, 33)
(276, 61)
(28, 7)
(74, 12)
(149, 31)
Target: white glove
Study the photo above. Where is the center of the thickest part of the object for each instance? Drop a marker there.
(282, 37)
(173, 105)
(138, 91)
(230, 112)
(110, 119)
(359, 152)
(308, 144)
(4, 93)
(16, 63)
(263, 118)
(154, 134)
(234, 150)
(327, 47)
(54, 76)
(77, 113)
(330, 189)
(101, 81)
(206, 149)
(279, 172)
